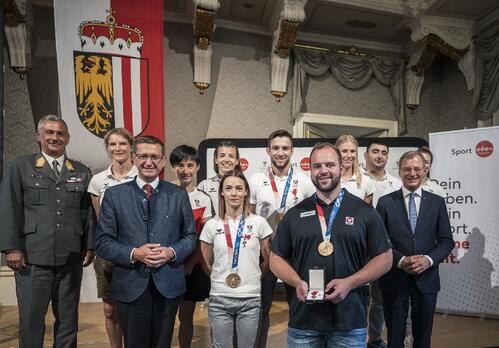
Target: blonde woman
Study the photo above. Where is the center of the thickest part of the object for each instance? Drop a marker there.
(351, 177)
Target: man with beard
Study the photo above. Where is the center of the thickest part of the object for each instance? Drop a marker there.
(376, 156)
(338, 233)
(273, 192)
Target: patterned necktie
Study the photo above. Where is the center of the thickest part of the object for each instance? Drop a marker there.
(148, 190)
(55, 167)
(413, 216)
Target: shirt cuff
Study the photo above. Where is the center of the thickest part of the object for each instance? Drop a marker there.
(399, 264)
(429, 259)
(174, 258)
(131, 256)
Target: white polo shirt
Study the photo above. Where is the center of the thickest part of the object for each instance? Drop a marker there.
(263, 197)
(366, 187)
(210, 186)
(100, 182)
(255, 229)
(387, 184)
(433, 187)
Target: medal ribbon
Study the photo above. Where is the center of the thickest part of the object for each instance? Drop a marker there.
(234, 250)
(280, 207)
(327, 230)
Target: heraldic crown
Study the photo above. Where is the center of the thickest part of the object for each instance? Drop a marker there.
(110, 37)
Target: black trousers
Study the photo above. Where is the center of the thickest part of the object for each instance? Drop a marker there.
(149, 320)
(396, 307)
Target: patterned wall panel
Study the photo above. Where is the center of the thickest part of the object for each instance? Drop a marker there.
(445, 103)
(187, 113)
(243, 106)
(19, 128)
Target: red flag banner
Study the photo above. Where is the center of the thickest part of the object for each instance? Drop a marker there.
(110, 64)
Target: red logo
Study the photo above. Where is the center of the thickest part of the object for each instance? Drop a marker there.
(484, 148)
(349, 220)
(305, 164)
(243, 163)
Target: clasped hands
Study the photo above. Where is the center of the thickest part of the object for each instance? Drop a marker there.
(335, 292)
(153, 255)
(415, 264)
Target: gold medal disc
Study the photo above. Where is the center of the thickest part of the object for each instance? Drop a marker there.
(325, 248)
(233, 280)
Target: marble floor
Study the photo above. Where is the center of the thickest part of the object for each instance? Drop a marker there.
(450, 331)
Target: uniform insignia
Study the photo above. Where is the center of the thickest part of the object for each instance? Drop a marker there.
(40, 162)
(307, 213)
(69, 166)
(73, 179)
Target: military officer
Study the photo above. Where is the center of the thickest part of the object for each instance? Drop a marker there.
(47, 234)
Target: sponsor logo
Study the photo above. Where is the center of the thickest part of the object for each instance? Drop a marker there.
(484, 148)
(243, 163)
(349, 220)
(307, 213)
(305, 164)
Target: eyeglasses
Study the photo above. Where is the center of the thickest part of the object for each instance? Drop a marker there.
(408, 170)
(153, 158)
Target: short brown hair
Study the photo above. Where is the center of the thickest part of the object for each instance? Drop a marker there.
(280, 133)
(225, 143)
(410, 155)
(148, 139)
(322, 145)
(221, 201)
(122, 132)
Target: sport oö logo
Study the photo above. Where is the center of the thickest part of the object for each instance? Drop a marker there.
(484, 148)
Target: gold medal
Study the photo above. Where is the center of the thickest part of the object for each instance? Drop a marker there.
(325, 248)
(233, 280)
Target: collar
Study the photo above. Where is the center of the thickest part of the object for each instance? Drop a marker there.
(131, 174)
(216, 178)
(50, 159)
(352, 178)
(365, 172)
(280, 177)
(406, 192)
(141, 182)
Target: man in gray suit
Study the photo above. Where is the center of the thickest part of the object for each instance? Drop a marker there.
(146, 229)
(47, 234)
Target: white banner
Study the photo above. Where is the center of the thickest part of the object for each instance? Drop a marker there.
(466, 164)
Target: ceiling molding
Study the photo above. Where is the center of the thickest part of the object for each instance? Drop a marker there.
(347, 42)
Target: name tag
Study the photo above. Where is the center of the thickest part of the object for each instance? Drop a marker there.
(307, 213)
(73, 179)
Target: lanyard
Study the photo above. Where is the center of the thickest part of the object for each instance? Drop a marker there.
(327, 230)
(237, 245)
(280, 207)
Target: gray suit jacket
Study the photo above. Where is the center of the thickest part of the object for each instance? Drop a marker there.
(128, 220)
(50, 219)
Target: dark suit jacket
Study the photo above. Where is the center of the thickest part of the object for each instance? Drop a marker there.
(50, 219)
(432, 237)
(124, 223)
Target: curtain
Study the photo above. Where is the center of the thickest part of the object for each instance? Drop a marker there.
(486, 91)
(352, 72)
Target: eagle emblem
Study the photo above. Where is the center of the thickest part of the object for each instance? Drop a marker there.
(94, 92)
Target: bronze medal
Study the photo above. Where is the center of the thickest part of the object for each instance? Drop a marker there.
(325, 248)
(233, 280)
(280, 216)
